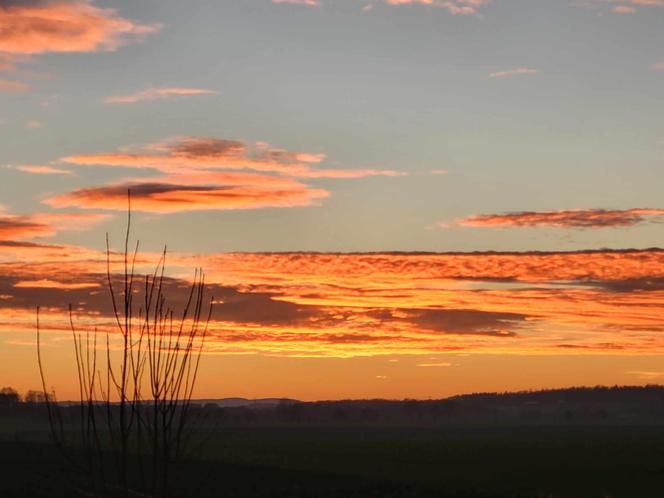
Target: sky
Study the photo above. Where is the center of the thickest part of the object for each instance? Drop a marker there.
(389, 198)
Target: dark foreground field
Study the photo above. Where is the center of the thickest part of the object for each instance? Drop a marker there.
(534, 461)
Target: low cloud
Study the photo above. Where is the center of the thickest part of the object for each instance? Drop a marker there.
(158, 94)
(346, 305)
(463, 321)
(574, 218)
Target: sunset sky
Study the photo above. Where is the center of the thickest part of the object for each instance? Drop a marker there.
(390, 198)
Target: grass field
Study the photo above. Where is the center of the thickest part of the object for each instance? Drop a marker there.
(569, 462)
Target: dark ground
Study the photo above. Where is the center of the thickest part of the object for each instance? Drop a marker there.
(573, 443)
(547, 462)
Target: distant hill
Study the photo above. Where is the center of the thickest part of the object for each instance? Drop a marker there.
(244, 402)
(580, 405)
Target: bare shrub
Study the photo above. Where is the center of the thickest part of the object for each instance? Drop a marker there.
(136, 383)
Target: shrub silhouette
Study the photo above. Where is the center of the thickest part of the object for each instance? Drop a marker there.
(135, 386)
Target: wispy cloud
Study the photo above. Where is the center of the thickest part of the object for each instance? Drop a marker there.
(619, 6)
(513, 72)
(574, 218)
(646, 375)
(658, 66)
(188, 154)
(623, 9)
(310, 3)
(13, 86)
(464, 7)
(43, 170)
(158, 94)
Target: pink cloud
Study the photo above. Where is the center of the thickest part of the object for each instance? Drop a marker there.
(310, 3)
(619, 6)
(465, 7)
(623, 9)
(513, 72)
(43, 170)
(158, 94)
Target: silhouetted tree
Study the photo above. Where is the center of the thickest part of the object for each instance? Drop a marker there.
(9, 397)
(33, 397)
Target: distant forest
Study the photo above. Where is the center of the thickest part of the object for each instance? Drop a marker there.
(624, 405)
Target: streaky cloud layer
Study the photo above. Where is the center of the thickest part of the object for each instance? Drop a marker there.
(350, 305)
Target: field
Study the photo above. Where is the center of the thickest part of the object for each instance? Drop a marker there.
(526, 461)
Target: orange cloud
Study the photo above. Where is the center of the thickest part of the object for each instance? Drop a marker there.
(28, 28)
(186, 154)
(170, 198)
(197, 177)
(44, 225)
(575, 218)
(157, 94)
